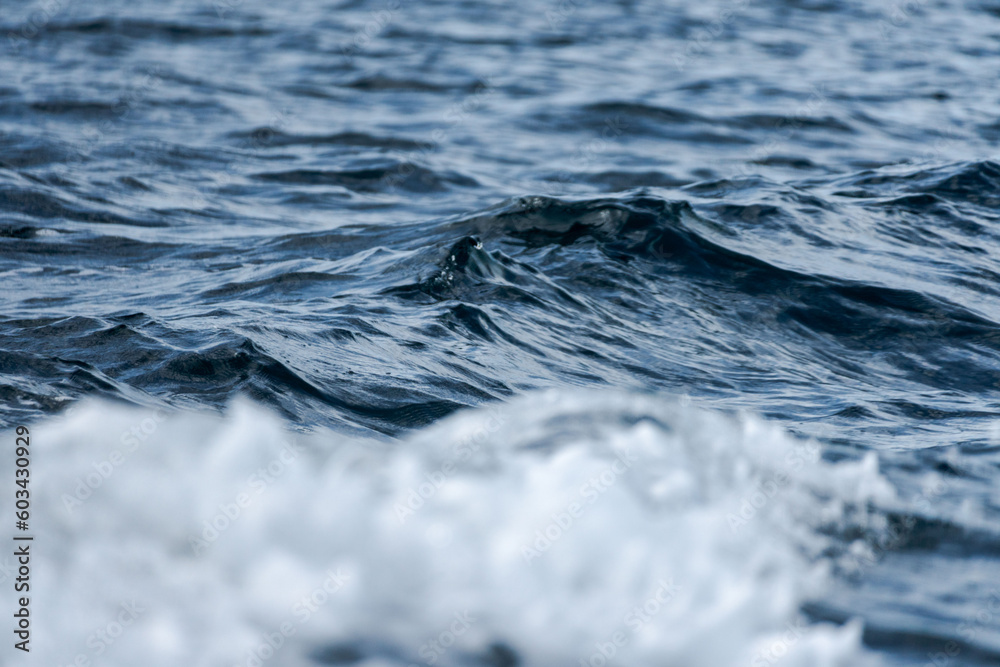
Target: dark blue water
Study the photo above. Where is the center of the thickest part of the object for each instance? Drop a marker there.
(369, 215)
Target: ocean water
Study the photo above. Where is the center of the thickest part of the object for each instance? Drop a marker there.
(504, 333)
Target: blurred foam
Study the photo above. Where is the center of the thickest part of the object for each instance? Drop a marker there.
(558, 527)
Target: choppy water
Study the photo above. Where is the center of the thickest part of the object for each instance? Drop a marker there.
(370, 215)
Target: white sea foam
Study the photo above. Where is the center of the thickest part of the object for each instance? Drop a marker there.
(563, 526)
